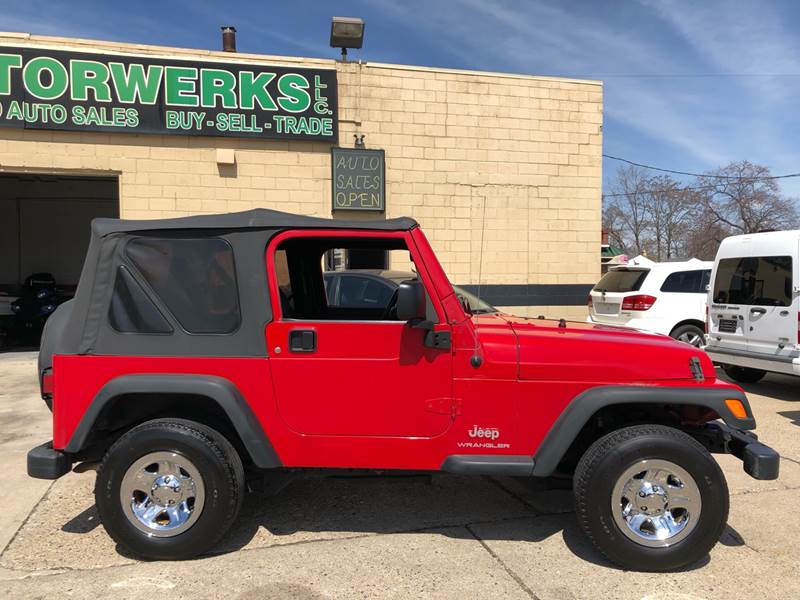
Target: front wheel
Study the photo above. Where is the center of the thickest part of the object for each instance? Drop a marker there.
(650, 498)
(169, 489)
(744, 374)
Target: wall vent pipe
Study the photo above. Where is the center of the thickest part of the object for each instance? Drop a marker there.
(229, 38)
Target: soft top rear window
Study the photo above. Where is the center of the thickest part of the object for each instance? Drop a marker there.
(194, 278)
(621, 280)
(131, 311)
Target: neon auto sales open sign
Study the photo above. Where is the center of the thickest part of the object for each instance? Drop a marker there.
(359, 179)
(51, 89)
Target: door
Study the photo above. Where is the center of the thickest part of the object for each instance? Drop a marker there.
(351, 370)
(727, 308)
(753, 307)
(683, 296)
(772, 316)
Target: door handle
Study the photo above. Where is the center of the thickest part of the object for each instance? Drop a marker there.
(302, 340)
(758, 311)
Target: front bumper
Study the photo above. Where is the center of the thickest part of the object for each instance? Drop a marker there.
(759, 460)
(46, 463)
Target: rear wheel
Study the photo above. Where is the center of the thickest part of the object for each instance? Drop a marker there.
(689, 334)
(650, 498)
(169, 489)
(743, 374)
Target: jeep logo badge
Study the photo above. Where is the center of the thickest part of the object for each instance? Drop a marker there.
(491, 433)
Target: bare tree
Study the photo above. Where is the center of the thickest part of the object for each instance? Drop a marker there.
(629, 196)
(741, 199)
(705, 233)
(670, 214)
(668, 220)
(612, 224)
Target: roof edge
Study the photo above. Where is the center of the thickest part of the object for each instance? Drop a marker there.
(124, 48)
(257, 218)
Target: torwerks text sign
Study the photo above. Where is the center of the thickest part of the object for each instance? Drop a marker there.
(52, 89)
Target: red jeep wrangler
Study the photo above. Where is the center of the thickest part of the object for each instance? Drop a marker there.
(201, 348)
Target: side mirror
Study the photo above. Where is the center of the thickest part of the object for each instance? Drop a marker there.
(411, 301)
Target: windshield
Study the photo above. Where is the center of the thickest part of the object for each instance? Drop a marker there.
(476, 305)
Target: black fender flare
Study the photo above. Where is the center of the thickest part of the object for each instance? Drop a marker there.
(587, 403)
(218, 389)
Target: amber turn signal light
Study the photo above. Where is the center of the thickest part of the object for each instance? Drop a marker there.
(736, 407)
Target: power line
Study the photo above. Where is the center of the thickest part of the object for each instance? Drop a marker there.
(685, 75)
(664, 191)
(705, 175)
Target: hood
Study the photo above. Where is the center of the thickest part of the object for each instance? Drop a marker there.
(600, 353)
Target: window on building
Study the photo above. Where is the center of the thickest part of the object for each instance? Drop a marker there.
(765, 280)
(131, 311)
(194, 278)
(687, 282)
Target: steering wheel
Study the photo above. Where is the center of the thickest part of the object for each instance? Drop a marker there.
(390, 313)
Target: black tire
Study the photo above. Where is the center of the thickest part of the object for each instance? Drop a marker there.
(689, 331)
(743, 374)
(607, 460)
(218, 465)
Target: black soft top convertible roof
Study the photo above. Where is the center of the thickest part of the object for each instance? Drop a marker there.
(258, 218)
(81, 326)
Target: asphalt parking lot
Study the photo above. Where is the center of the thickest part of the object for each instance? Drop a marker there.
(398, 537)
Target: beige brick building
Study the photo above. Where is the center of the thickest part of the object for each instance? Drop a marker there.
(502, 171)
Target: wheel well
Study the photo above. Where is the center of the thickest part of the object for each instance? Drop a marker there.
(616, 416)
(695, 322)
(125, 411)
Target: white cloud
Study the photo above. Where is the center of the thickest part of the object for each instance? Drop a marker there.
(41, 26)
(751, 41)
(525, 37)
(742, 37)
(704, 121)
(64, 20)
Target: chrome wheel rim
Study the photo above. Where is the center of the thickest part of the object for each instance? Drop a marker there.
(162, 494)
(656, 503)
(691, 338)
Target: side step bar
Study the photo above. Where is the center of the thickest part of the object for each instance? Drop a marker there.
(488, 464)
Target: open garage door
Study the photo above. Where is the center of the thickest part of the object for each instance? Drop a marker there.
(44, 234)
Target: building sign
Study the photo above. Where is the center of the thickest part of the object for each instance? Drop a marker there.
(359, 179)
(52, 89)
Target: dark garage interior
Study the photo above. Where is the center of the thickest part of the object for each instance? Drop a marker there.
(44, 233)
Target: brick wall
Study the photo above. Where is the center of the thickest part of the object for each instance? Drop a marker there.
(502, 171)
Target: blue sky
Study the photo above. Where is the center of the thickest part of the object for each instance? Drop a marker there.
(689, 85)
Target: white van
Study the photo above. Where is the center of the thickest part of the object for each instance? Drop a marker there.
(753, 316)
(667, 298)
